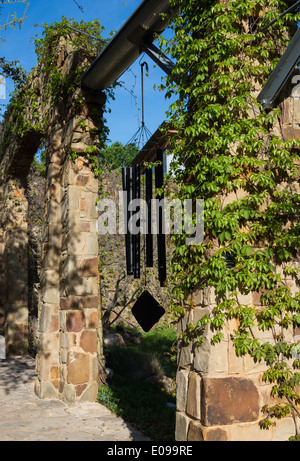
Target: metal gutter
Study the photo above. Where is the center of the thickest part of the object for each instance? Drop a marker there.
(284, 69)
(126, 46)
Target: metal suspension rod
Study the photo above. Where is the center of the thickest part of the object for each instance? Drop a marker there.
(142, 82)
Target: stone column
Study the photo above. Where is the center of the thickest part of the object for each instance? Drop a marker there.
(48, 359)
(79, 291)
(69, 314)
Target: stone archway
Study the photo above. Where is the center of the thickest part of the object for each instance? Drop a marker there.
(69, 119)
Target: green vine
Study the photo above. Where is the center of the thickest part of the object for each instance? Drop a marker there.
(227, 152)
(58, 88)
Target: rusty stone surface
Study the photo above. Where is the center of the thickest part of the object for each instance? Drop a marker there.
(88, 341)
(89, 267)
(228, 400)
(70, 303)
(89, 302)
(75, 321)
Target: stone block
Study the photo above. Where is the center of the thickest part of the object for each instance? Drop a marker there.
(78, 368)
(93, 321)
(84, 226)
(193, 396)
(89, 394)
(235, 363)
(75, 321)
(195, 432)
(182, 424)
(185, 355)
(70, 303)
(211, 358)
(73, 197)
(80, 286)
(89, 267)
(50, 295)
(89, 302)
(284, 429)
(198, 433)
(21, 314)
(68, 394)
(228, 400)
(54, 372)
(92, 245)
(181, 389)
(79, 389)
(46, 390)
(89, 341)
(256, 295)
(82, 180)
(249, 432)
(49, 341)
(64, 340)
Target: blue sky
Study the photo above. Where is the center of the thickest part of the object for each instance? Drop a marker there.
(125, 117)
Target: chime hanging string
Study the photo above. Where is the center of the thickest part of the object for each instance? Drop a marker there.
(143, 125)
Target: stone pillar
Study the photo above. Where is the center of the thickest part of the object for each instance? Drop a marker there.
(48, 359)
(220, 395)
(79, 291)
(68, 361)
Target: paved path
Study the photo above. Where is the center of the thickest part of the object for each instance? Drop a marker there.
(24, 417)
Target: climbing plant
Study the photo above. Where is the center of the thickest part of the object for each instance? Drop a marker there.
(228, 153)
(85, 39)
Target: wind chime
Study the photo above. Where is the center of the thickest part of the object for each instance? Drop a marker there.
(146, 310)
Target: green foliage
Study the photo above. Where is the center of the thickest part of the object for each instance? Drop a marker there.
(39, 163)
(228, 148)
(52, 33)
(141, 403)
(117, 155)
(58, 88)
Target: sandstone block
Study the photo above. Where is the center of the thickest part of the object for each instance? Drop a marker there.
(182, 424)
(70, 303)
(228, 400)
(78, 368)
(193, 396)
(89, 341)
(89, 302)
(75, 321)
(181, 389)
(196, 433)
(93, 321)
(89, 267)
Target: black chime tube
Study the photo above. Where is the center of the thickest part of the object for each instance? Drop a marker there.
(137, 236)
(161, 241)
(149, 234)
(125, 205)
(127, 179)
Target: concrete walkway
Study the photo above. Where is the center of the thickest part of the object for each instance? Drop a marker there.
(24, 417)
